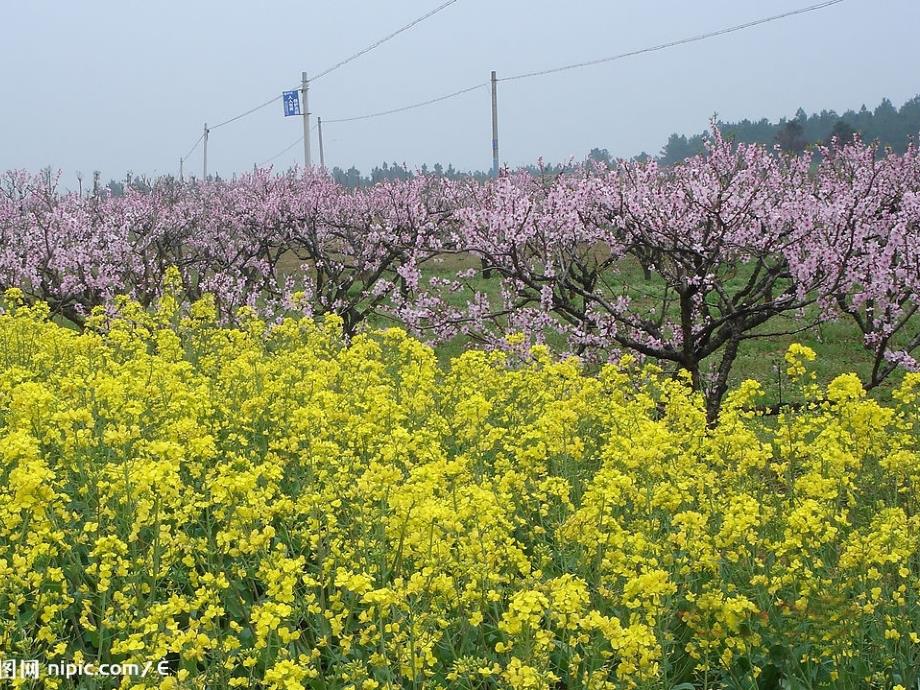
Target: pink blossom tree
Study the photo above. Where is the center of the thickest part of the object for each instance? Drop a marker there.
(735, 244)
(271, 242)
(867, 220)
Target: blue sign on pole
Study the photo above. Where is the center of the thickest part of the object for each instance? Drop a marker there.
(291, 103)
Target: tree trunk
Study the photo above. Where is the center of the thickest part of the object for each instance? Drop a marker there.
(715, 394)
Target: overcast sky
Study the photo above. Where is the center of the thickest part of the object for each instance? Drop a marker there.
(127, 85)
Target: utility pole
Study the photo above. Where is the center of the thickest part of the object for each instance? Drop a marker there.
(319, 129)
(305, 88)
(204, 167)
(494, 125)
(180, 168)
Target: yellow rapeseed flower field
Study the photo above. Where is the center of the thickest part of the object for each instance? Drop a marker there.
(266, 507)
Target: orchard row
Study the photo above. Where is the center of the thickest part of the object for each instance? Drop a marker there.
(679, 264)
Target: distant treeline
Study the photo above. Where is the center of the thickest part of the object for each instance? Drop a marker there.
(890, 126)
(394, 171)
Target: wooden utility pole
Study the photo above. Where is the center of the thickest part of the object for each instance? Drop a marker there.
(319, 129)
(494, 125)
(204, 166)
(304, 89)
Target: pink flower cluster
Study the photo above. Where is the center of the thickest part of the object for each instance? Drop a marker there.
(272, 242)
(739, 243)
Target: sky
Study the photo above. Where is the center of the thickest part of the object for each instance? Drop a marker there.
(124, 85)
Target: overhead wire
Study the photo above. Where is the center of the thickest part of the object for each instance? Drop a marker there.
(248, 112)
(363, 51)
(671, 44)
(650, 49)
(537, 73)
(282, 152)
(407, 107)
(383, 40)
(194, 146)
(286, 148)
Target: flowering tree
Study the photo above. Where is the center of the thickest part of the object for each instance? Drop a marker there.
(271, 242)
(360, 253)
(729, 243)
(72, 252)
(867, 220)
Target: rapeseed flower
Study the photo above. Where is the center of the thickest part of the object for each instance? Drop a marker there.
(273, 505)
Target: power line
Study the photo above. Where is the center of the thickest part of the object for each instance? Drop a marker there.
(671, 44)
(282, 152)
(650, 49)
(525, 75)
(286, 148)
(334, 67)
(408, 107)
(248, 112)
(194, 146)
(383, 40)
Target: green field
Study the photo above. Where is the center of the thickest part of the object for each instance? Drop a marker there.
(838, 343)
